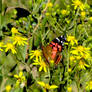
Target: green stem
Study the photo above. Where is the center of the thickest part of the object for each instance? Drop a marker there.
(68, 63)
(51, 74)
(74, 21)
(55, 27)
(78, 83)
(84, 28)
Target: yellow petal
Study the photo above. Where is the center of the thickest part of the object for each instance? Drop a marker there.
(69, 89)
(16, 76)
(74, 52)
(1, 49)
(45, 69)
(8, 88)
(23, 78)
(41, 83)
(20, 74)
(53, 86)
(35, 63)
(40, 68)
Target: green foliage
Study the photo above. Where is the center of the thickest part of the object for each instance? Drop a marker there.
(46, 20)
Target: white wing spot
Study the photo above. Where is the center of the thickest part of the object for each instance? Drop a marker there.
(61, 41)
(61, 36)
(58, 39)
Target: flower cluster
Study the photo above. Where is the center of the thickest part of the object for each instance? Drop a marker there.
(48, 19)
(78, 53)
(10, 46)
(71, 40)
(41, 63)
(38, 61)
(89, 85)
(47, 86)
(16, 39)
(81, 52)
(14, 31)
(78, 4)
(19, 40)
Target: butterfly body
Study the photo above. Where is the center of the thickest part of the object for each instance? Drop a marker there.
(54, 49)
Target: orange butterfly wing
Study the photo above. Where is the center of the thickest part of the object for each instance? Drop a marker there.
(51, 54)
(54, 49)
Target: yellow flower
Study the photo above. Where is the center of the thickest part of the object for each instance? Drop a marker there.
(1, 49)
(83, 14)
(41, 63)
(81, 51)
(82, 65)
(14, 31)
(89, 85)
(20, 76)
(72, 58)
(78, 57)
(68, 21)
(69, 89)
(47, 86)
(20, 79)
(47, 14)
(35, 53)
(64, 12)
(90, 19)
(8, 88)
(78, 3)
(69, 70)
(1, 45)
(50, 4)
(10, 46)
(17, 83)
(72, 40)
(19, 40)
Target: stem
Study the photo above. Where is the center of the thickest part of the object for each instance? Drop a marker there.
(55, 27)
(51, 74)
(20, 61)
(84, 28)
(27, 49)
(68, 63)
(78, 83)
(2, 88)
(40, 18)
(44, 90)
(75, 21)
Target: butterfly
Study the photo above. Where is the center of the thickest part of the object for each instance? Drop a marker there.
(54, 49)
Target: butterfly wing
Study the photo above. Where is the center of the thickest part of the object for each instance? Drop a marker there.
(47, 53)
(51, 54)
(56, 52)
(54, 49)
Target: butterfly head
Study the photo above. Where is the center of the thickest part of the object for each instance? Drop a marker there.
(60, 40)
